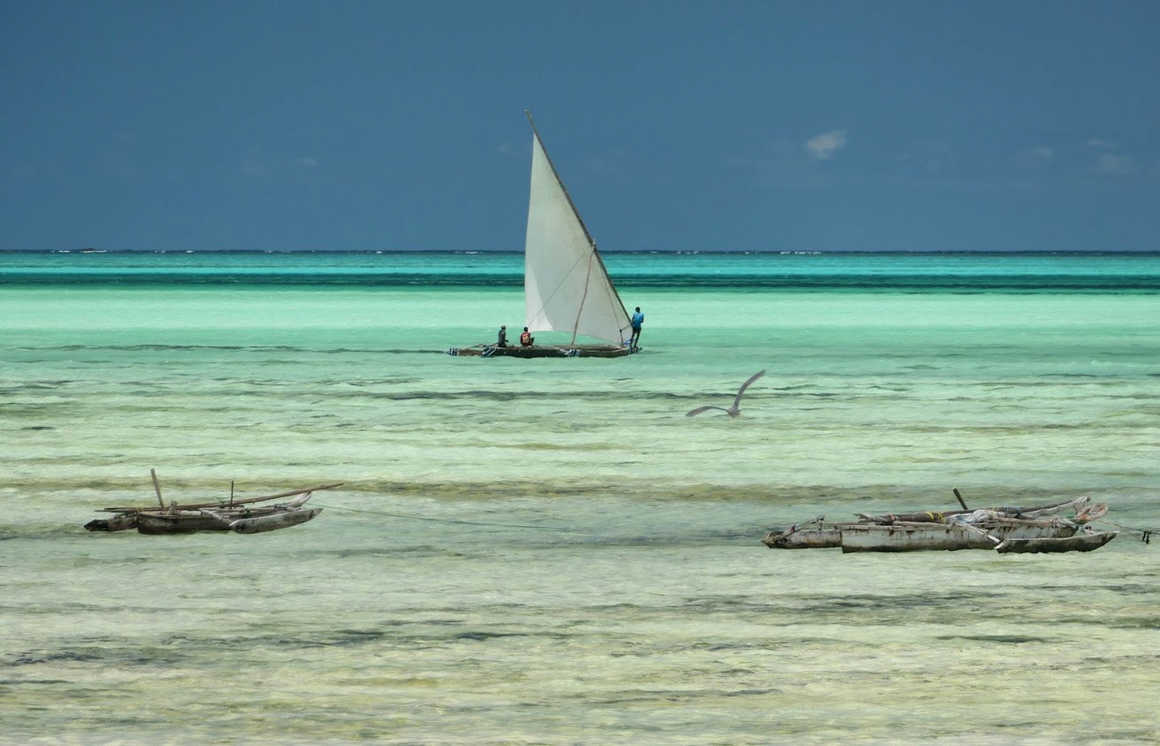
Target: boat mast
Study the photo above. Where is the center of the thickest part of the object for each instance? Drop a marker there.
(584, 227)
(583, 297)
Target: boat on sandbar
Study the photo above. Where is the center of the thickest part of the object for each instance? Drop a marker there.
(1002, 529)
(245, 516)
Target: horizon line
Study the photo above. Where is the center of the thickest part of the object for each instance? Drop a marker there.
(785, 252)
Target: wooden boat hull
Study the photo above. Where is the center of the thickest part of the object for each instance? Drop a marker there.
(1078, 543)
(813, 536)
(245, 521)
(911, 536)
(533, 351)
(243, 515)
(274, 521)
(119, 522)
(914, 537)
(179, 522)
(1004, 529)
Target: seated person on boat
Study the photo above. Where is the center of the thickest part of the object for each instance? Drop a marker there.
(526, 338)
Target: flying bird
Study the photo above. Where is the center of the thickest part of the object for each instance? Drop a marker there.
(734, 410)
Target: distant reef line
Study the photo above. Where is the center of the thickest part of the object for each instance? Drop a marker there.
(795, 281)
(676, 252)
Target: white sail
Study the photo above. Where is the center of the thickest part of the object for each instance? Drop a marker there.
(566, 287)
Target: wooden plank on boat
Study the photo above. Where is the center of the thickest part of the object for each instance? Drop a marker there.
(1077, 543)
(297, 502)
(940, 516)
(157, 487)
(223, 504)
(1039, 511)
(1090, 513)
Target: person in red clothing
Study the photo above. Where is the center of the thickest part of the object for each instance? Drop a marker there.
(526, 338)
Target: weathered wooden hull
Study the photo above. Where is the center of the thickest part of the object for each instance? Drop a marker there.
(534, 351)
(220, 515)
(812, 536)
(179, 522)
(1077, 543)
(119, 522)
(1005, 529)
(274, 521)
(247, 519)
(912, 537)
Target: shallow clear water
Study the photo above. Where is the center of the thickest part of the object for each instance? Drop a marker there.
(549, 550)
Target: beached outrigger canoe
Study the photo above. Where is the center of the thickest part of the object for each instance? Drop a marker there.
(566, 285)
(1003, 529)
(245, 516)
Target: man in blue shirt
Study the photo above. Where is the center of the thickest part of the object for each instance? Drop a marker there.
(637, 321)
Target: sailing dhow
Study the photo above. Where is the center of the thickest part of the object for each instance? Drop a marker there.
(566, 285)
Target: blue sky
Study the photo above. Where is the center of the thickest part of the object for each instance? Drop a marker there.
(676, 125)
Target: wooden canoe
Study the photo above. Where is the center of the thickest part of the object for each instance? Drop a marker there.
(1083, 542)
(912, 537)
(274, 521)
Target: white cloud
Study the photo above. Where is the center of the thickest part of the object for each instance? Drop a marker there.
(824, 146)
(308, 161)
(1110, 163)
(1096, 142)
(1035, 157)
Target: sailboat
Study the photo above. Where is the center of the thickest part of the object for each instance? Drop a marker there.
(566, 285)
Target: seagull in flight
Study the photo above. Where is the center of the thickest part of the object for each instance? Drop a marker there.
(734, 410)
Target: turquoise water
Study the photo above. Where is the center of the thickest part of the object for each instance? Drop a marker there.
(549, 550)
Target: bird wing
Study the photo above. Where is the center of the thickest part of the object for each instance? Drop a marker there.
(699, 410)
(740, 391)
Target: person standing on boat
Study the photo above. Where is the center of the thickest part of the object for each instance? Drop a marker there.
(526, 339)
(501, 341)
(637, 321)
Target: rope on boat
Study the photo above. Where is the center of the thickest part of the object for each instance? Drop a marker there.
(1145, 533)
(413, 517)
